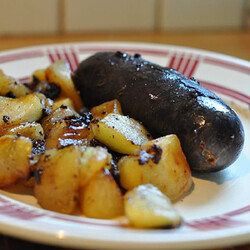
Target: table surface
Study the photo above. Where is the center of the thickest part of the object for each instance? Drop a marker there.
(234, 43)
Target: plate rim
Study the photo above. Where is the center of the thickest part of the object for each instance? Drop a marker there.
(46, 237)
(131, 43)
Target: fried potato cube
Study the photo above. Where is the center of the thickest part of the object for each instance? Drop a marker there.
(101, 197)
(11, 87)
(14, 154)
(147, 207)
(33, 130)
(131, 174)
(47, 103)
(160, 162)
(24, 109)
(91, 162)
(38, 75)
(62, 101)
(64, 133)
(120, 133)
(64, 127)
(57, 189)
(57, 115)
(60, 74)
(106, 108)
(54, 135)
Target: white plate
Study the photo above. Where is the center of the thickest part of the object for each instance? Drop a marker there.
(216, 213)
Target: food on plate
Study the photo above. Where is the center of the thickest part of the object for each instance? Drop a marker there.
(60, 74)
(106, 108)
(63, 101)
(57, 182)
(102, 161)
(27, 108)
(38, 76)
(166, 102)
(33, 130)
(160, 162)
(11, 87)
(15, 162)
(57, 115)
(70, 159)
(120, 133)
(147, 207)
(102, 197)
(93, 160)
(64, 126)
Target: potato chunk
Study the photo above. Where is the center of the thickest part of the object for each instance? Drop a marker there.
(24, 109)
(147, 207)
(64, 126)
(68, 132)
(14, 155)
(160, 162)
(33, 130)
(131, 173)
(57, 189)
(120, 133)
(56, 116)
(93, 160)
(60, 74)
(38, 75)
(63, 101)
(102, 198)
(106, 108)
(46, 102)
(11, 87)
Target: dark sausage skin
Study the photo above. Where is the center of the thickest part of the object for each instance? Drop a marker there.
(166, 102)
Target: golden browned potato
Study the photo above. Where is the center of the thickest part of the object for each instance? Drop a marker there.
(24, 109)
(147, 207)
(64, 126)
(60, 74)
(63, 101)
(131, 173)
(57, 115)
(120, 133)
(68, 132)
(91, 162)
(33, 130)
(57, 188)
(160, 162)
(39, 74)
(54, 135)
(14, 154)
(46, 102)
(101, 197)
(106, 108)
(11, 87)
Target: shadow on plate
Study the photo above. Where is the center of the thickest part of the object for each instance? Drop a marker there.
(237, 170)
